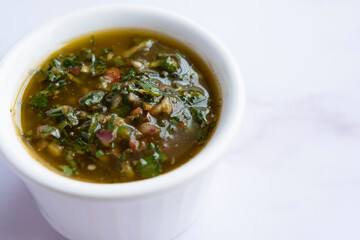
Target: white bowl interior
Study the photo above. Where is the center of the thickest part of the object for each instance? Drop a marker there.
(39, 44)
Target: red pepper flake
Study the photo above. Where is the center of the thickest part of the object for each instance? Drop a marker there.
(113, 73)
(181, 125)
(136, 112)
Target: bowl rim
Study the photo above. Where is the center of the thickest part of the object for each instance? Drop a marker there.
(163, 182)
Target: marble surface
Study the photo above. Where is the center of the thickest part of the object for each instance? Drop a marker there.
(294, 170)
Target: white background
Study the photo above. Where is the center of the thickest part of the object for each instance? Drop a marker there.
(294, 170)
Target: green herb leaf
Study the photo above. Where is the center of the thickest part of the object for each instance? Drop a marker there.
(47, 130)
(89, 55)
(200, 115)
(130, 74)
(38, 101)
(71, 161)
(181, 54)
(98, 66)
(158, 152)
(149, 88)
(53, 77)
(53, 86)
(123, 132)
(119, 62)
(116, 87)
(64, 123)
(110, 125)
(148, 167)
(99, 153)
(64, 111)
(81, 142)
(55, 71)
(124, 109)
(70, 61)
(175, 120)
(168, 63)
(68, 171)
(55, 112)
(92, 98)
(122, 157)
(94, 126)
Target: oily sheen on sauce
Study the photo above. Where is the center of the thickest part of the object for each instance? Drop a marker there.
(119, 106)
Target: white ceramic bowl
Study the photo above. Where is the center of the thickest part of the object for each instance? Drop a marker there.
(157, 208)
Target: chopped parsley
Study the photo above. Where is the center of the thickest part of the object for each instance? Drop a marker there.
(113, 113)
(92, 98)
(38, 101)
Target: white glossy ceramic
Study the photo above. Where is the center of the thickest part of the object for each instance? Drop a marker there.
(157, 208)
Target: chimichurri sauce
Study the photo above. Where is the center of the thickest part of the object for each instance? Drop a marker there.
(119, 106)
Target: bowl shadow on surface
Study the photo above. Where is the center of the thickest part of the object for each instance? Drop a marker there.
(20, 218)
